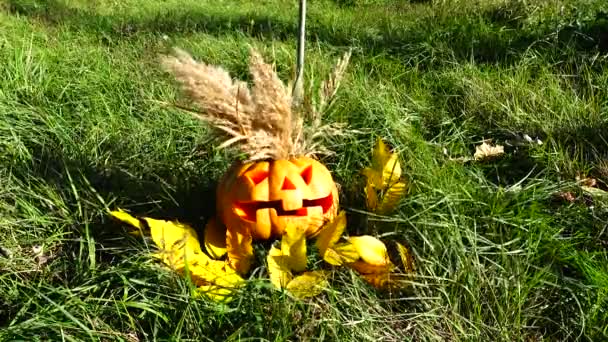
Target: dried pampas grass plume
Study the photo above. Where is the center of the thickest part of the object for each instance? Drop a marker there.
(260, 121)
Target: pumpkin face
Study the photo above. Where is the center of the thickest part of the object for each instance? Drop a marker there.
(262, 198)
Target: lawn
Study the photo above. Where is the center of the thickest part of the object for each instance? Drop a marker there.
(510, 249)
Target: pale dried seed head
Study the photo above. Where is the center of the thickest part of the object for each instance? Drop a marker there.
(259, 121)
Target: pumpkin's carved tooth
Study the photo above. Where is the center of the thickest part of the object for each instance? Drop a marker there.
(324, 202)
(291, 203)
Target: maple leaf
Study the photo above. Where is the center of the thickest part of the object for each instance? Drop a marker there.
(487, 151)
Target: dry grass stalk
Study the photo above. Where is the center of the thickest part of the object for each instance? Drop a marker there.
(260, 121)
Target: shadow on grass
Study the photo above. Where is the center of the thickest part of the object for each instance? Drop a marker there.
(431, 42)
(164, 193)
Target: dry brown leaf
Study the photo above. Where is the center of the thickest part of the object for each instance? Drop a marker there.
(487, 151)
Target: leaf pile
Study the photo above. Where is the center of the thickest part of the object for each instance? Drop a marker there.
(287, 261)
(179, 248)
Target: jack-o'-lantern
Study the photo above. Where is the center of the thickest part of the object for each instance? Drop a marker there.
(266, 196)
(279, 183)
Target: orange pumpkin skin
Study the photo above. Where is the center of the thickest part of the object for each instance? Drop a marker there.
(261, 198)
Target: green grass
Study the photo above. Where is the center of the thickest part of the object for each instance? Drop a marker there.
(498, 257)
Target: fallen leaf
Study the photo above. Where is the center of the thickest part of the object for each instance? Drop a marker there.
(239, 249)
(180, 249)
(308, 284)
(487, 151)
(383, 177)
(278, 268)
(371, 197)
(380, 156)
(377, 280)
(177, 242)
(215, 293)
(371, 250)
(595, 192)
(385, 168)
(586, 182)
(293, 247)
(341, 254)
(127, 218)
(331, 232)
(391, 198)
(566, 196)
(407, 259)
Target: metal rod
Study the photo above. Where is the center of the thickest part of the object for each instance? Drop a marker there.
(299, 83)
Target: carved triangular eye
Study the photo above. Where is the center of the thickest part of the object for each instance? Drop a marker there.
(257, 176)
(307, 174)
(287, 185)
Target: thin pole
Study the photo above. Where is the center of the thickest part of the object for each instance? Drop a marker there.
(298, 91)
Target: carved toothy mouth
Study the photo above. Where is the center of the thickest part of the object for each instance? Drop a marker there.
(247, 210)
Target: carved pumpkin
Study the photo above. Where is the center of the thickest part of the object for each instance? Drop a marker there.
(262, 198)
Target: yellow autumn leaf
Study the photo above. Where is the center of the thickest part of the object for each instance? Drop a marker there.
(216, 280)
(217, 272)
(385, 168)
(371, 197)
(330, 234)
(180, 249)
(406, 258)
(308, 284)
(390, 198)
(370, 249)
(127, 218)
(391, 171)
(239, 249)
(384, 186)
(380, 158)
(487, 151)
(215, 293)
(132, 221)
(341, 254)
(380, 155)
(386, 280)
(177, 242)
(278, 268)
(595, 192)
(293, 247)
(215, 239)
